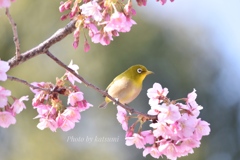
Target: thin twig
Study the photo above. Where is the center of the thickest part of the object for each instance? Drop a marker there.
(44, 46)
(25, 82)
(129, 109)
(15, 33)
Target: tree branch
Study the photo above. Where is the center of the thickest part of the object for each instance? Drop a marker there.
(25, 82)
(15, 33)
(129, 109)
(44, 46)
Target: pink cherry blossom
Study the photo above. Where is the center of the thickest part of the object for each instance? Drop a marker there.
(191, 105)
(47, 123)
(103, 38)
(45, 110)
(40, 85)
(108, 17)
(72, 114)
(40, 95)
(83, 105)
(192, 96)
(65, 124)
(74, 97)
(50, 118)
(52, 112)
(191, 99)
(68, 118)
(140, 140)
(128, 9)
(122, 117)
(190, 110)
(148, 136)
(70, 76)
(202, 129)
(103, 20)
(6, 119)
(4, 96)
(136, 139)
(5, 3)
(161, 130)
(179, 138)
(186, 126)
(92, 29)
(153, 151)
(168, 113)
(130, 131)
(175, 132)
(92, 9)
(4, 67)
(169, 150)
(8, 111)
(119, 22)
(18, 104)
(80, 103)
(74, 67)
(155, 110)
(187, 145)
(156, 94)
(39, 98)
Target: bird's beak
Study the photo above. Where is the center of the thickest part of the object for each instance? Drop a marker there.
(149, 72)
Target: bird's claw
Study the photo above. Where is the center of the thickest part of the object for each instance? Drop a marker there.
(130, 110)
(116, 99)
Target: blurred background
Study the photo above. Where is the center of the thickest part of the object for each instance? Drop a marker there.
(188, 44)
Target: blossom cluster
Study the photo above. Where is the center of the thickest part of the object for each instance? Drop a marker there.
(8, 110)
(51, 111)
(104, 19)
(176, 128)
(5, 3)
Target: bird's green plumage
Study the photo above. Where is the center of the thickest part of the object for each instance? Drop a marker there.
(127, 86)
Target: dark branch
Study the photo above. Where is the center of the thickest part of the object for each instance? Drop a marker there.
(25, 82)
(44, 46)
(15, 33)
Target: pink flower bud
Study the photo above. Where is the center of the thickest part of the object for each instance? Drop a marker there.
(86, 46)
(75, 44)
(142, 2)
(63, 17)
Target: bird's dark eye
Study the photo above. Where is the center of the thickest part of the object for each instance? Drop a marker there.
(139, 70)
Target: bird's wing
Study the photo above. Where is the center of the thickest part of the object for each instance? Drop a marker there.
(119, 87)
(114, 80)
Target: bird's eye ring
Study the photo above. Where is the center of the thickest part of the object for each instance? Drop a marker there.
(139, 70)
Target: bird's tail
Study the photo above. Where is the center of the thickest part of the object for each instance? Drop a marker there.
(103, 105)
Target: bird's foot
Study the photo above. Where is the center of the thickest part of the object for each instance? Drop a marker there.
(131, 110)
(116, 100)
